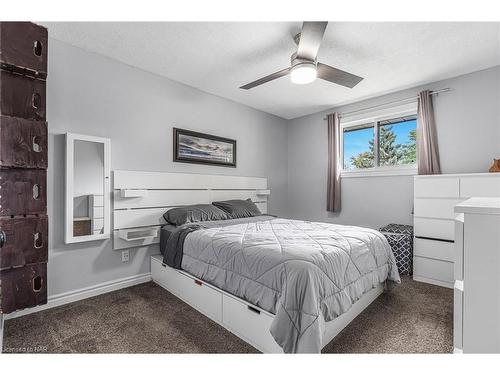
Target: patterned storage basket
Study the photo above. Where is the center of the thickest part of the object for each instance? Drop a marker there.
(400, 237)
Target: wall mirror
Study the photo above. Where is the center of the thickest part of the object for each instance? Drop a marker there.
(87, 188)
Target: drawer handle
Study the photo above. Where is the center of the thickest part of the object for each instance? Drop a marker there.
(37, 48)
(37, 240)
(253, 309)
(36, 100)
(198, 282)
(3, 238)
(36, 144)
(36, 191)
(37, 284)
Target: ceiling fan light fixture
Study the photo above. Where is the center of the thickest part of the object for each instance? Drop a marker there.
(303, 73)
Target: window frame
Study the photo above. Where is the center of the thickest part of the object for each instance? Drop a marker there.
(373, 121)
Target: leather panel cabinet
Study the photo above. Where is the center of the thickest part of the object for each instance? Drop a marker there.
(23, 143)
(23, 192)
(23, 241)
(23, 48)
(22, 96)
(23, 166)
(23, 287)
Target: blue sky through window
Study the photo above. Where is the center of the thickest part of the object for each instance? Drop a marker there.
(356, 141)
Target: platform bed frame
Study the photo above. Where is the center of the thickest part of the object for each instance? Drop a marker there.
(140, 199)
(247, 321)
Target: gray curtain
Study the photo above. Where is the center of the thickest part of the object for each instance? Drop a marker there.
(333, 185)
(427, 146)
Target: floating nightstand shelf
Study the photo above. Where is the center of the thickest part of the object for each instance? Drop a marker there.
(263, 192)
(137, 234)
(133, 193)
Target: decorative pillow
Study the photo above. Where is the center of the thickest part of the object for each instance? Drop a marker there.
(194, 213)
(238, 208)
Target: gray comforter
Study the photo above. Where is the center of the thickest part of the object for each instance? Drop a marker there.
(298, 270)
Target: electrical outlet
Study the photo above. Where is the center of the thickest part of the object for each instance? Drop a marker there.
(125, 256)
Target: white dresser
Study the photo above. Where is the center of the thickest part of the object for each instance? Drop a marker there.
(476, 315)
(435, 197)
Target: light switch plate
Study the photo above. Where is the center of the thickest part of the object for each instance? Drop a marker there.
(125, 256)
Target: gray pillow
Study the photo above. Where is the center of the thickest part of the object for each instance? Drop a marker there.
(238, 208)
(194, 213)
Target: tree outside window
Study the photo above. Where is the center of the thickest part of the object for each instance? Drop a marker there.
(383, 144)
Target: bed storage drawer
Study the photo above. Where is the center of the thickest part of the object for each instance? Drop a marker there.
(23, 47)
(194, 292)
(23, 143)
(434, 228)
(434, 249)
(23, 192)
(433, 271)
(250, 323)
(24, 241)
(23, 287)
(22, 96)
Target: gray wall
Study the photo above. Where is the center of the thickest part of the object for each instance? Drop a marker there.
(468, 126)
(94, 95)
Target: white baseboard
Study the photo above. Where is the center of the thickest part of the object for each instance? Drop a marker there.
(79, 294)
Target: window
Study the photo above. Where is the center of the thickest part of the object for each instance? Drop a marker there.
(380, 145)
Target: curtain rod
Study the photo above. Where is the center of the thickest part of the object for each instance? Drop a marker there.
(436, 92)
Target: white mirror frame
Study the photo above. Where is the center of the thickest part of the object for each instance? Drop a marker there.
(68, 219)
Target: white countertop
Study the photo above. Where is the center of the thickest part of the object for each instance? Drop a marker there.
(489, 206)
(477, 174)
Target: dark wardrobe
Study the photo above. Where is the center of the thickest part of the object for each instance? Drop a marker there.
(23, 166)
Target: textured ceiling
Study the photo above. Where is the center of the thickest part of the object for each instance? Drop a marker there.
(218, 57)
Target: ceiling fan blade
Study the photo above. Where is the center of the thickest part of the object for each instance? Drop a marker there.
(265, 79)
(310, 39)
(329, 73)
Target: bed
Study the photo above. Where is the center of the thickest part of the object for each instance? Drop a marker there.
(281, 285)
(296, 270)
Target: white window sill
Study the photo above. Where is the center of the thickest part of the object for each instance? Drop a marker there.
(379, 172)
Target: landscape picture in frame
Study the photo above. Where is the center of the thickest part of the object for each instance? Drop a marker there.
(200, 148)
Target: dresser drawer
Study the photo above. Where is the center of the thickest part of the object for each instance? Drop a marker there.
(436, 208)
(434, 249)
(22, 96)
(25, 241)
(436, 187)
(442, 229)
(440, 271)
(23, 143)
(24, 45)
(486, 186)
(23, 192)
(458, 298)
(250, 323)
(23, 287)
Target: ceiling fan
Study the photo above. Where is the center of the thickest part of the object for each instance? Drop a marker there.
(304, 66)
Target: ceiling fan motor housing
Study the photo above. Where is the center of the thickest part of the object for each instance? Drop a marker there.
(294, 61)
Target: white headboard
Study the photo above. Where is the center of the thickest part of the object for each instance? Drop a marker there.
(141, 198)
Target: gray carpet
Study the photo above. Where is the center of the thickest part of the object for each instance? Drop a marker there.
(413, 318)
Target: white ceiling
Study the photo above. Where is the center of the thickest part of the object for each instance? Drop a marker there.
(218, 57)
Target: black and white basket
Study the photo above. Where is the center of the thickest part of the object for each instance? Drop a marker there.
(400, 237)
